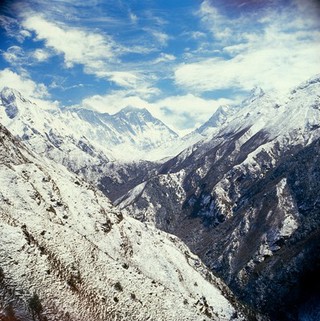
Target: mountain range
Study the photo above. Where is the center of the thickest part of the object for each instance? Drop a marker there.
(241, 191)
(68, 254)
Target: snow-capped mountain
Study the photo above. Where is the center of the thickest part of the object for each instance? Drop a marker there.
(246, 199)
(110, 151)
(219, 118)
(106, 150)
(47, 133)
(67, 254)
(131, 134)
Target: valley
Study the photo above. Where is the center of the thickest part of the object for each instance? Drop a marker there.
(121, 194)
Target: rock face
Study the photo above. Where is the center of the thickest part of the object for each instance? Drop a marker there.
(9, 101)
(272, 247)
(246, 200)
(67, 254)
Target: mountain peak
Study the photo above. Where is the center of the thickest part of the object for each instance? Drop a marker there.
(135, 128)
(8, 95)
(218, 118)
(104, 264)
(315, 80)
(136, 115)
(255, 93)
(8, 98)
(7, 90)
(134, 110)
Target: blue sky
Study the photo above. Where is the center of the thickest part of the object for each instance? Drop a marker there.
(180, 59)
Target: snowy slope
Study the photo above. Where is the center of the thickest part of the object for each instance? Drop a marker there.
(250, 143)
(110, 151)
(67, 254)
(219, 119)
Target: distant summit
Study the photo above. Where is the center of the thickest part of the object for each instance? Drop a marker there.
(131, 133)
(131, 129)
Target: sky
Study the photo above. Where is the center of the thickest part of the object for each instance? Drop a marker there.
(180, 59)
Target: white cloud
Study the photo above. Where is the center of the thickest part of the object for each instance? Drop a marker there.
(197, 35)
(114, 102)
(218, 25)
(97, 53)
(25, 34)
(278, 67)
(133, 18)
(13, 28)
(14, 55)
(163, 57)
(124, 78)
(27, 87)
(41, 55)
(23, 84)
(282, 51)
(161, 37)
(78, 46)
(187, 112)
(155, 20)
(59, 83)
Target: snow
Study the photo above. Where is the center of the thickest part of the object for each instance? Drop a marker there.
(134, 134)
(287, 204)
(63, 240)
(131, 134)
(175, 181)
(128, 202)
(289, 226)
(263, 129)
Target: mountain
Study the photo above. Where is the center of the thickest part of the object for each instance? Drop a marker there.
(67, 254)
(244, 196)
(47, 133)
(131, 134)
(246, 200)
(114, 152)
(110, 151)
(219, 118)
